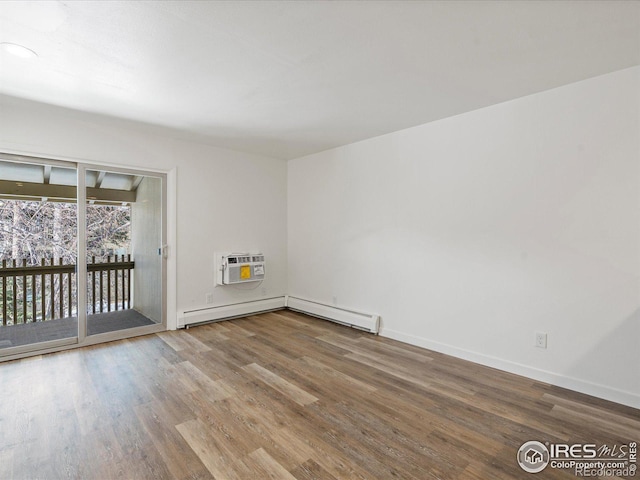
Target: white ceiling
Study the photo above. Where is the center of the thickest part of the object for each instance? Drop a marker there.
(288, 78)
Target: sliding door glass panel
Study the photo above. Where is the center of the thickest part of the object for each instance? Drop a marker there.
(123, 245)
(38, 244)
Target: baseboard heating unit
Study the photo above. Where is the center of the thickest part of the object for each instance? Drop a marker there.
(197, 316)
(224, 312)
(362, 321)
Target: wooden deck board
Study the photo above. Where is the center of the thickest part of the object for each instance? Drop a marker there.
(60, 328)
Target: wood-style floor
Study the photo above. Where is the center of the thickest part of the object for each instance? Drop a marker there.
(282, 396)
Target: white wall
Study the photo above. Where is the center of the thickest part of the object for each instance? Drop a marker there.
(218, 199)
(235, 204)
(469, 234)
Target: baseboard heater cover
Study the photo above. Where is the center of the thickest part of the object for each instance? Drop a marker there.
(362, 321)
(224, 312)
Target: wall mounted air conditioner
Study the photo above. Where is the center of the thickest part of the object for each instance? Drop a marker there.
(234, 268)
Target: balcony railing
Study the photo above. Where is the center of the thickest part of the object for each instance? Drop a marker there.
(38, 293)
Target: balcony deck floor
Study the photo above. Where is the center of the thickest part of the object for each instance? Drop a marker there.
(16, 335)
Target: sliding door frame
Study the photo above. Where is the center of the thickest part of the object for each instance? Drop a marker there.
(83, 339)
(81, 251)
(33, 349)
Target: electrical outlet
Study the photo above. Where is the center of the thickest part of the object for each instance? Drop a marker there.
(209, 298)
(264, 291)
(541, 340)
(335, 301)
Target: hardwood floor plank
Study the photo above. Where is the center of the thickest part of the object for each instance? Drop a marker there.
(101, 455)
(234, 438)
(365, 439)
(225, 367)
(174, 340)
(298, 448)
(217, 460)
(215, 389)
(235, 353)
(302, 323)
(141, 458)
(598, 413)
(368, 344)
(354, 347)
(329, 373)
(180, 459)
(310, 470)
(328, 455)
(236, 331)
(280, 384)
(183, 341)
(480, 471)
(88, 407)
(272, 469)
(406, 369)
(390, 369)
(624, 430)
(211, 333)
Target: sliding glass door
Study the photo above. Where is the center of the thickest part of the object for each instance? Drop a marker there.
(124, 251)
(81, 254)
(38, 255)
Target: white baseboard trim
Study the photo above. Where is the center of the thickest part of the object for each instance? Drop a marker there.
(195, 316)
(361, 321)
(571, 383)
(225, 312)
